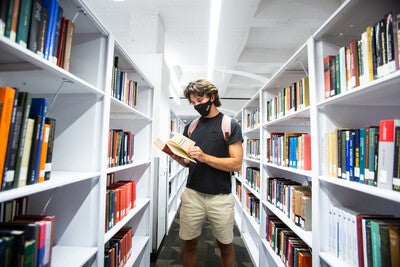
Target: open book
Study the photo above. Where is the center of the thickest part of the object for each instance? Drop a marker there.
(178, 145)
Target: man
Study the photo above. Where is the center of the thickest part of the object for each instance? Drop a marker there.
(208, 190)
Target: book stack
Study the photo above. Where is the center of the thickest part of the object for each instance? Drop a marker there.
(253, 148)
(253, 177)
(290, 150)
(253, 206)
(120, 147)
(363, 239)
(289, 99)
(253, 118)
(119, 248)
(374, 55)
(124, 89)
(286, 244)
(120, 199)
(368, 155)
(27, 139)
(39, 25)
(25, 239)
(292, 198)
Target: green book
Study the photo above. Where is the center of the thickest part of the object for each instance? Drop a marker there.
(24, 20)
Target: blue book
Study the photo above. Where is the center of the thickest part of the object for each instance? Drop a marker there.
(351, 155)
(52, 9)
(38, 112)
(363, 132)
(347, 147)
(357, 155)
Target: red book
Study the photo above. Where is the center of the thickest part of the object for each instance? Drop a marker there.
(327, 75)
(353, 68)
(307, 152)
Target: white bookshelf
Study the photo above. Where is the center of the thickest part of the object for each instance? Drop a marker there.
(356, 108)
(85, 111)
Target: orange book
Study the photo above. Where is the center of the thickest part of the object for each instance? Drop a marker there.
(307, 152)
(327, 75)
(353, 68)
(43, 153)
(304, 259)
(7, 96)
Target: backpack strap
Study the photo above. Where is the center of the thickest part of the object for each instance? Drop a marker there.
(226, 127)
(193, 126)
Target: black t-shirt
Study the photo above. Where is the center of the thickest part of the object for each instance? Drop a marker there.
(208, 136)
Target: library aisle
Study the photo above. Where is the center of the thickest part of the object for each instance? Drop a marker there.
(170, 251)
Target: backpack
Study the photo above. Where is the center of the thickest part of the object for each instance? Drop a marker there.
(225, 126)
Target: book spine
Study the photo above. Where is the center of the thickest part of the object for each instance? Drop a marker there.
(50, 147)
(396, 160)
(386, 153)
(34, 28)
(23, 22)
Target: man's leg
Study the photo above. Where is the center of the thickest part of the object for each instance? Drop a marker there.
(227, 254)
(189, 257)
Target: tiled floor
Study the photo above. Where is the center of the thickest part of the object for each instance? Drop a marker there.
(170, 252)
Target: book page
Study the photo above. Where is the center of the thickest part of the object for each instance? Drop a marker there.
(181, 141)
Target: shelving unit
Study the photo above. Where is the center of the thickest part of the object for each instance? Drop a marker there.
(359, 107)
(82, 104)
(177, 175)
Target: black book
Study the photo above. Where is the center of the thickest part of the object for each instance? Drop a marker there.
(18, 246)
(36, 18)
(24, 101)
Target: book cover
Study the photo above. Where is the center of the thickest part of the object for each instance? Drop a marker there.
(54, 55)
(386, 148)
(61, 43)
(34, 27)
(3, 16)
(24, 101)
(178, 145)
(12, 34)
(353, 79)
(69, 33)
(50, 147)
(372, 141)
(43, 153)
(327, 75)
(52, 9)
(42, 31)
(396, 160)
(38, 112)
(12, 146)
(24, 20)
(362, 155)
(23, 173)
(7, 95)
(18, 245)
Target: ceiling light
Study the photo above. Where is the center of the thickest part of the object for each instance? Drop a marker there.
(215, 14)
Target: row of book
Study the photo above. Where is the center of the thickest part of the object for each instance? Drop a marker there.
(27, 139)
(40, 26)
(120, 199)
(253, 178)
(363, 239)
(293, 251)
(253, 118)
(118, 249)
(290, 150)
(25, 239)
(293, 199)
(239, 189)
(253, 148)
(124, 89)
(253, 206)
(289, 99)
(374, 55)
(369, 155)
(120, 147)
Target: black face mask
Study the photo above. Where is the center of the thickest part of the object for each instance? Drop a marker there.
(204, 108)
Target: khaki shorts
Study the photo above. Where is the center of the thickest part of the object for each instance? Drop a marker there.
(197, 207)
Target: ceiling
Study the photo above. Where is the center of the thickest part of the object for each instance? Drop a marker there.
(255, 38)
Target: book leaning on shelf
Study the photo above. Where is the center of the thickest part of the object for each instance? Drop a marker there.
(178, 145)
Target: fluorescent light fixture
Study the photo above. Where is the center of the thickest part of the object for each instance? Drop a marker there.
(215, 15)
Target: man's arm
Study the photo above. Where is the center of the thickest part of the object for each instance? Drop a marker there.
(233, 163)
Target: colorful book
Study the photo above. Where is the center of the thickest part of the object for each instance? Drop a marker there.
(24, 21)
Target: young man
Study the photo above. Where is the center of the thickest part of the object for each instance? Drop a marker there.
(207, 195)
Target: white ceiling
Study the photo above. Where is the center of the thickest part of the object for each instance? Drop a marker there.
(256, 37)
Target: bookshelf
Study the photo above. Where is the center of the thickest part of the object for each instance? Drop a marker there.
(359, 107)
(81, 102)
(177, 175)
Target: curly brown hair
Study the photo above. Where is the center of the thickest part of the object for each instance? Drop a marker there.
(202, 87)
